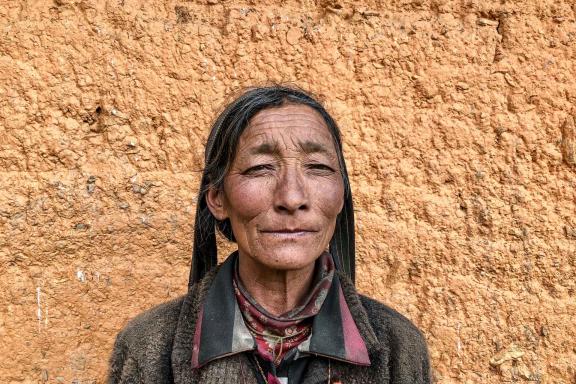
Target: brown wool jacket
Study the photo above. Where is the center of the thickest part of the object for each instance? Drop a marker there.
(156, 347)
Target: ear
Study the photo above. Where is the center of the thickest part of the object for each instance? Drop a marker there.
(215, 202)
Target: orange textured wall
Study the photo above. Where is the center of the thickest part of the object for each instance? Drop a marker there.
(460, 134)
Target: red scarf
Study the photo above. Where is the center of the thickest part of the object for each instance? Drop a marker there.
(276, 335)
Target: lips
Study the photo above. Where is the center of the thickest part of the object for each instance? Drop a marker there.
(288, 232)
(288, 229)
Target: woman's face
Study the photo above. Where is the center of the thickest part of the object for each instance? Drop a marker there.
(284, 189)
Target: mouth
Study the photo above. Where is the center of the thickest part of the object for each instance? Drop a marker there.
(289, 232)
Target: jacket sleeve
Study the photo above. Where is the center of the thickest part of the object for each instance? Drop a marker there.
(123, 368)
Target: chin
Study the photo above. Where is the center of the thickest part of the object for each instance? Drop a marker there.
(288, 258)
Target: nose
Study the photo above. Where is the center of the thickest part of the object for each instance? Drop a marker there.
(291, 192)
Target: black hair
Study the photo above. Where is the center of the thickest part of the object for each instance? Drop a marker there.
(219, 155)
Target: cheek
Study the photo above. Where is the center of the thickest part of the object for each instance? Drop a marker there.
(330, 197)
(246, 199)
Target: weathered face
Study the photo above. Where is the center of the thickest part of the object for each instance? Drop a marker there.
(284, 189)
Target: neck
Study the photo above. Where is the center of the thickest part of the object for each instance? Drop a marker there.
(277, 291)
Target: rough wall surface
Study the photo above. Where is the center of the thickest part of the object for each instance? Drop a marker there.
(459, 120)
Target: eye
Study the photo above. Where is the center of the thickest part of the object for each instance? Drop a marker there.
(259, 169)
(319, 167)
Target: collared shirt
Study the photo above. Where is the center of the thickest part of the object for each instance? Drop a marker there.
(221, 331)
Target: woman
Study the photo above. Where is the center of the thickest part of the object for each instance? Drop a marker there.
(282, 308)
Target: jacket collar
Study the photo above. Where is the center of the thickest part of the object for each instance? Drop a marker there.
(220, 329)
(212, 287)
(318, 370)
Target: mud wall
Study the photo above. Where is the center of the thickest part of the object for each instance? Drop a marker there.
(460, 134)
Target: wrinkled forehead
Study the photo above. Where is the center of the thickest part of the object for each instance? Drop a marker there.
(287, 126)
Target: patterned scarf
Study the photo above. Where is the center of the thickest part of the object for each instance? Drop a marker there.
(276, 335)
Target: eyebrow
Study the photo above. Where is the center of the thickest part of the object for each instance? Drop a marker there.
(265, 149)
(307, 147)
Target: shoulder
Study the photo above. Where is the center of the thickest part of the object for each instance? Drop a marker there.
(405, 344)
(390, 328)
(153, 328)
(142, 348)
(389, 322)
